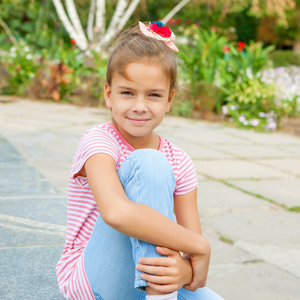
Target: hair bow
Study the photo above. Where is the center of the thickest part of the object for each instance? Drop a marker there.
(160, 32)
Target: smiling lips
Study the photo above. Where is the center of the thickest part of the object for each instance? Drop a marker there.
(138, 121)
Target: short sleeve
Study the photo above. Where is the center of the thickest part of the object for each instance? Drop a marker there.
(94, 141)
(187, 177)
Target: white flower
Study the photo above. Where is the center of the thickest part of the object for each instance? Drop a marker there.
(31, 75)
(242, 119)
(28, 56)
(254, 122)
(271, 124)
(26, 49)
(13, 49)
(233, 107)
(13, 54)
(245, 123)
(249, 73)
(262, 115)
(224, 110)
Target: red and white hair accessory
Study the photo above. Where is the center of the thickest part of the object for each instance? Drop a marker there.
(160, 32)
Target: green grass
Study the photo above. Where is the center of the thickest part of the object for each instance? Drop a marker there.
(226, 240)
(294, 209)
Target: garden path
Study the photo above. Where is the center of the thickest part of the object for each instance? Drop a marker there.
(247, 183)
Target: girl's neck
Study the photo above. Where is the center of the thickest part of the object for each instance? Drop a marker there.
(151, 141)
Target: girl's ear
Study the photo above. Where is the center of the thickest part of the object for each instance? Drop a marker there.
(107, 94)
(170, 100)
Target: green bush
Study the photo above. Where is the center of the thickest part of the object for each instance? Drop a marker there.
(251, 105)
(21, 64)
(70, 77)
(201, 59)
(285, 58)
(182, 109)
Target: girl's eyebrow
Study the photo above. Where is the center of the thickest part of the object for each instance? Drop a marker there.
(124, 87)
(130, 88)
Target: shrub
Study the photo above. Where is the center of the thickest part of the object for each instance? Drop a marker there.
(21, 64)
(251, 105)
(201, 59)
(285, 58)
(285, 81)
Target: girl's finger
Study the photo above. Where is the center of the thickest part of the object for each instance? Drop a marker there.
(164, 280)
(158, 271)
(157, 261)
(169, 288)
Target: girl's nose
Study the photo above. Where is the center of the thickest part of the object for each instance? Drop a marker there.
(140, 105)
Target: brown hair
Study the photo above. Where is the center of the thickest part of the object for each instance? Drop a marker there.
(132, 46)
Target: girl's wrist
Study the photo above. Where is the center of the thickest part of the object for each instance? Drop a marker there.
(204, 247)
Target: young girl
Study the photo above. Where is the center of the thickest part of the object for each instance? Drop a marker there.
(124, 183)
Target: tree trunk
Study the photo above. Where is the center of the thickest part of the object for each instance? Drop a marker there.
(98, 37)
(178, 7)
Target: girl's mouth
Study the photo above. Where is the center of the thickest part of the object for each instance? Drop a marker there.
(138, 121)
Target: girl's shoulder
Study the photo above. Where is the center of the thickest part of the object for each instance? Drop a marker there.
(172, 151)
(168, 146)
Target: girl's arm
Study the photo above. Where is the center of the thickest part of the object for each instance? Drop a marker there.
(187, 212)
(161, 268)
(124, 215)
(187, 215)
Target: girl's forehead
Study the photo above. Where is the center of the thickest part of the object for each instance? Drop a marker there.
(142, 75)
(147, 69)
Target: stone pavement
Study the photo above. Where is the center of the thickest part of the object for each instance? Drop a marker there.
(247, 183)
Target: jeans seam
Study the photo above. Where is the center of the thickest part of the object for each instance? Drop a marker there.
(97, 296)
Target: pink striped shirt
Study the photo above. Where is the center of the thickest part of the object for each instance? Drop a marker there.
(82, 208)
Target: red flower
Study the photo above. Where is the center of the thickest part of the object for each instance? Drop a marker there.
(213, 28)
(241, 46)
(163, 31)
(226, 49)
(73, 42)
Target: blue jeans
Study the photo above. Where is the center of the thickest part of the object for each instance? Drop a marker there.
(110, 256)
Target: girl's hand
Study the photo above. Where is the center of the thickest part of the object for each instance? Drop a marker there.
(200, 265)
(165, 274)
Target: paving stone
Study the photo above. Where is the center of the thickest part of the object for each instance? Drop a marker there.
(9, 127)
(237, 169)
(216, 195)
(8, 154)
(46, 146)
(19, 235)
(56, 172)
(292, 150)
(255, 151)
(209, 137)
(262, 138)
(222, 253)
(259, 281)
(286, 192)
(46, 208)
(261, 225)
(29, 273)
(199, 152)
(22, 181)
(280, 256)
(288, 165)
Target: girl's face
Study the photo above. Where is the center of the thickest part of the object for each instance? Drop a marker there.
(139, 102)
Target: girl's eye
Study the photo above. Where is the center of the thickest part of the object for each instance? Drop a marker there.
(155, 95)
(126, 93)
